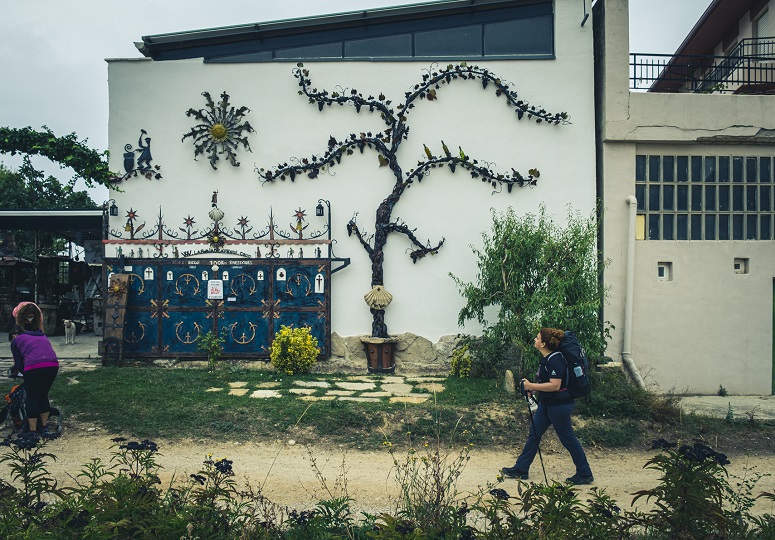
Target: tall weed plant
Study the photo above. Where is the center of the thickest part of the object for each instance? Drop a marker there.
(427, 476)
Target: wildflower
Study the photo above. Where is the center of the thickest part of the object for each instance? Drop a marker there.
(224, 466)
(700, 452)
(607, 511)
(199, 479)
(500, 494)
(405, 527)
(26, 441)
(662, 444)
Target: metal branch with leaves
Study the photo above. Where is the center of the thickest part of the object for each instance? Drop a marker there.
(220, 130)
(386, 144)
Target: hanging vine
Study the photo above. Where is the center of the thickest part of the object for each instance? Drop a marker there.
(386, 144)
(68, 151)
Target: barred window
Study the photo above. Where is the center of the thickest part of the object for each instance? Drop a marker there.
(705, 197)
(63, 275)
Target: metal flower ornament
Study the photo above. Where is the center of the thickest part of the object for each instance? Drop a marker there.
(386, 142)
(220, 130)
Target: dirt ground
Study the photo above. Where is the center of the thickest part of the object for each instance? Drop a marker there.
(286, 471)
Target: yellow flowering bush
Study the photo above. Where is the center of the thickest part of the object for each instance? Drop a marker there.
(460, 363)
(293, 350)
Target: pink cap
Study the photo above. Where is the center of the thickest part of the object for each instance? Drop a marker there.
(21, 305)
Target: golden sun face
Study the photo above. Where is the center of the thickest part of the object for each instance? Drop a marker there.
(218, 132)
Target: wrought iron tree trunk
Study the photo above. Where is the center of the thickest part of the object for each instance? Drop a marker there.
(386, 143)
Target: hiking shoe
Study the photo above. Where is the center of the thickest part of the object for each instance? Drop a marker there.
(578, 479)
(46, 434)
(513, 472)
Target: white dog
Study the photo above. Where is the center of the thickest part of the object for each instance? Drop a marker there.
(69, 332)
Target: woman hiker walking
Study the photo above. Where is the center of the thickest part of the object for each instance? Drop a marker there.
(555, 406)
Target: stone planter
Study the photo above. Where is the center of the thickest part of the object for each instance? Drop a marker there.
(380, 354)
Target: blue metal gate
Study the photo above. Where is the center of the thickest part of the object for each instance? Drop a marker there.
(170, 303)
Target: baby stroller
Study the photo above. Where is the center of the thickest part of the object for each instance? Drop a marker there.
(13, 415)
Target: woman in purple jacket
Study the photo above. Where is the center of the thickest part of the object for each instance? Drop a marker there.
(34, 356)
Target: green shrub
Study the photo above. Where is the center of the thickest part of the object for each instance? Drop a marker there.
(613, 396)
(460, 363)
(491, 355)
(692, 495)
(692, 499)
(293, 350)
(536, 272)
(211, 344)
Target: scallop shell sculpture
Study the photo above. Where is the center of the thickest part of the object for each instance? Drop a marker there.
(216, 214)
(378, 298)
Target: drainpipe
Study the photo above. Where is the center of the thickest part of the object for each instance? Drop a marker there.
(632, 369)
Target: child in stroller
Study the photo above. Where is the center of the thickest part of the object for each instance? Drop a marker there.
(15, 410)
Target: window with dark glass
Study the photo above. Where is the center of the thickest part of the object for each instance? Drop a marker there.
(723, 169)
(706, 197)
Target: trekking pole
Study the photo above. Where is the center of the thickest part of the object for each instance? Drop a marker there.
(532, 423)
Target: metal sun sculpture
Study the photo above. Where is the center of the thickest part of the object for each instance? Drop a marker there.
(220, 130)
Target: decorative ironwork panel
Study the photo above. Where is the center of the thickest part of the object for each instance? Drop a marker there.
(300, 285)
(180, 330)
(140, 332)
(185, 285)
(246, 286)
(168, 305)
(245, 332)
(140, 289)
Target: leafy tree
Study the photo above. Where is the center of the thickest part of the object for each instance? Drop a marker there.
(386, 143)
(67, 150)
(28, 189)
(538, 274)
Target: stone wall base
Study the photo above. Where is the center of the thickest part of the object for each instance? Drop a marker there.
(415, 355)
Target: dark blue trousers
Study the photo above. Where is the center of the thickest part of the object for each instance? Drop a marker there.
(557, 415)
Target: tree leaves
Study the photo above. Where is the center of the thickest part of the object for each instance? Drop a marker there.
(67, 150)
(538, 274)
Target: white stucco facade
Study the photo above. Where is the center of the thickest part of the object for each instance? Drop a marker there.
(155, 95)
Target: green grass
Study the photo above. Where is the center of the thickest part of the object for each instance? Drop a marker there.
(173, 403)
(149, 402)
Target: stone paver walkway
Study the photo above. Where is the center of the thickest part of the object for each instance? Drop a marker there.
(362, 389)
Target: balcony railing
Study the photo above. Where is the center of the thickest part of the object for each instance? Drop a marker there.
(748, 69)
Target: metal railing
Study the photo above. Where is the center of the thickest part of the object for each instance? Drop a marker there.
(748, 69)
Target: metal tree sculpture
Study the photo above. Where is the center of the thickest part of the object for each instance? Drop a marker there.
(386, 143)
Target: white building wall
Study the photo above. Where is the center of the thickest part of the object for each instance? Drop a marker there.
(708, 327)
(155, 96)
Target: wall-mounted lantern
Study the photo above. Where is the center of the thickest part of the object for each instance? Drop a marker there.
(319, 209)
(113, 208)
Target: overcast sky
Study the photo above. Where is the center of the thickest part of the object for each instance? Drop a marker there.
(52, 52)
